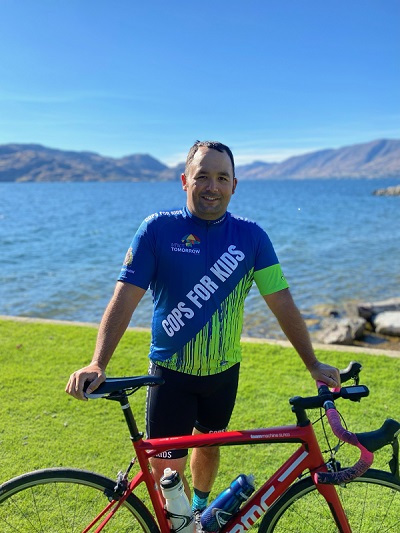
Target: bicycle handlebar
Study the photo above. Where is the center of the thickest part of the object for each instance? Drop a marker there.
(371, 441)
(367, 442)
(366, 457)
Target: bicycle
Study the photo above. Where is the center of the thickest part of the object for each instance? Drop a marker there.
(305, 494)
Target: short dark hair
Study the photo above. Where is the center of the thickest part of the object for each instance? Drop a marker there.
(214, 145)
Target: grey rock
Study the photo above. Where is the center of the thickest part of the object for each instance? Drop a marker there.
(389, 191)
(387, 323)
(368, 310)
(341, 331)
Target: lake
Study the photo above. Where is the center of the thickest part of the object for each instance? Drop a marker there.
(62, 244)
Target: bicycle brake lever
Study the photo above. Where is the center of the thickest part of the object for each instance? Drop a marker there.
(394, 461)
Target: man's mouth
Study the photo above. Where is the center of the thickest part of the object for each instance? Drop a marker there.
(210, 198)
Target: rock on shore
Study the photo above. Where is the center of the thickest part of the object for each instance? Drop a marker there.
(389, 191)
(381, 317)
(387, 323)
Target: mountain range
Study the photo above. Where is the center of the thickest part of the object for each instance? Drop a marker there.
(33, 162)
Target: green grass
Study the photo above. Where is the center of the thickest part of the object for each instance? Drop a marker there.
(41, 426)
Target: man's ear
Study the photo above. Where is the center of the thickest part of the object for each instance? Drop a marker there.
(234, 185)
(184, 183)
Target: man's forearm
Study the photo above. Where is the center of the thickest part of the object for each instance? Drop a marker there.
(296, 331)
(115, 320)
(110, 333)
(292, 325)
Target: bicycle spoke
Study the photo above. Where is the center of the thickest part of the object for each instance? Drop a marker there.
(17, 510)
(67, 501)
(371, 504)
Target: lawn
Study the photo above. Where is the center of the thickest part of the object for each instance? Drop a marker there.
(41, 426)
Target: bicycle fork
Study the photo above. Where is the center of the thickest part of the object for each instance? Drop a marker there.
(331, 496)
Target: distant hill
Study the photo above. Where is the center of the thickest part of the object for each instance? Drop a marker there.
(377, 159)
(33, 162)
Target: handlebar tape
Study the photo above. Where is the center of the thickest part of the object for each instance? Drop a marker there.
(348, 474)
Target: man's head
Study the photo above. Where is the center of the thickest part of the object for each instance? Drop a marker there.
(209, 179)
(213, 145)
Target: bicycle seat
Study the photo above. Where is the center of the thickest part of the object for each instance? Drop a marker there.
(133, 383)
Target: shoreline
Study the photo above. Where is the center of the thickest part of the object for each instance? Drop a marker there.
(256, 340)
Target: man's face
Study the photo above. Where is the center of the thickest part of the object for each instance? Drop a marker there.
(209, 183)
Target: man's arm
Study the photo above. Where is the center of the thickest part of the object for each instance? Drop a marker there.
(113, 325)
(293, 326)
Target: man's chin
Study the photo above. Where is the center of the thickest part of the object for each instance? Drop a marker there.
(206, 207)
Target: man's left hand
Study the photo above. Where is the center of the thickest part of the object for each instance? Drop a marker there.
(326, 373)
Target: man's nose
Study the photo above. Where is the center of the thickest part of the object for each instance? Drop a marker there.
(212, 184)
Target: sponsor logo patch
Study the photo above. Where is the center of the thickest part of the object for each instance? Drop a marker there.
(128, 258)
(190, 243)
(190, 240)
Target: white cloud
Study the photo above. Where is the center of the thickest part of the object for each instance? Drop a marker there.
(245, 157)
(174, 159)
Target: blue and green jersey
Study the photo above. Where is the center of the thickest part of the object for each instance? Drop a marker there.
(200, 272)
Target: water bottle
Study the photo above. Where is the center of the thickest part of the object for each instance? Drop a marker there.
(179, 511)
(226, 504)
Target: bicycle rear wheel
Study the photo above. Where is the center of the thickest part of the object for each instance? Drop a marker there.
(371, 503)
(58, 500)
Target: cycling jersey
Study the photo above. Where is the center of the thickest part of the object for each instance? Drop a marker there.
(200, 272)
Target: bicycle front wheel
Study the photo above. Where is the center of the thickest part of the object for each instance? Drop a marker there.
(58, 500)
(371, 503)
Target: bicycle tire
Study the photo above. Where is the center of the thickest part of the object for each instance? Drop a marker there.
(59, 500)
(371, 503)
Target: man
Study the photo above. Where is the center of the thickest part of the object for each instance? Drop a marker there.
(200, 263)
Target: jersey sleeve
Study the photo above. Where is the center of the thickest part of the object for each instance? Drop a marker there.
(268, 273)
(140, 261)
(270, 280)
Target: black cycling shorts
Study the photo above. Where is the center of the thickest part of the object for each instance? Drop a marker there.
(185, 402)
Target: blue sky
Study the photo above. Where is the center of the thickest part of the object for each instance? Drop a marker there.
(269, 78)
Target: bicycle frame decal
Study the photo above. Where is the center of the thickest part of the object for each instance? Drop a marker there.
(292, 467)
(262, 500)
(286, 434)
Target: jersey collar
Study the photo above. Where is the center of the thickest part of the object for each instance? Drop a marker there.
(202, 221)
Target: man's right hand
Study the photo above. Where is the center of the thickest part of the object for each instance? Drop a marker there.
(92, 374)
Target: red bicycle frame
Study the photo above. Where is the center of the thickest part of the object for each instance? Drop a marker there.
(307, 457)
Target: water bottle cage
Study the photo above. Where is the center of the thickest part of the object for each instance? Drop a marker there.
(186, 520)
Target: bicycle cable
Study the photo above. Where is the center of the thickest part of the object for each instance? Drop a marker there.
(331, 450)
